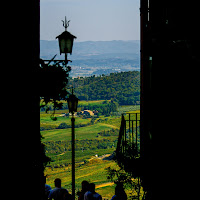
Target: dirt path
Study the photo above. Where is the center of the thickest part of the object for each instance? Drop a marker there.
(61, 154)
(106, 157)
(103, 157)
(112, 126)
(104, 185)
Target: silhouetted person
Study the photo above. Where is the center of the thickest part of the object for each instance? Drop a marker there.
(120, 194)
(47, 189)
(91, 194)
(59, 193)
(85, 188)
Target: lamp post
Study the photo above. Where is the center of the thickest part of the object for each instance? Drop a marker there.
(72, 105)
(65, 41)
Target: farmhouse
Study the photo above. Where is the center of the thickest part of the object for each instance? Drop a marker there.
(88, 112)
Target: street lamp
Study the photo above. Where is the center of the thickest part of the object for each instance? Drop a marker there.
(72, 105)
(66, 40)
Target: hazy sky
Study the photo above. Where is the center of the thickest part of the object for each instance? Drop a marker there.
(91, 20)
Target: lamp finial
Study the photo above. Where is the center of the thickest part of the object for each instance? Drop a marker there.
(65, 23)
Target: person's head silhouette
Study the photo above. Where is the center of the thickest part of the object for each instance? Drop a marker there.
(57, 183)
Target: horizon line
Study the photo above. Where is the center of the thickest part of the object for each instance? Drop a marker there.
(95, 40)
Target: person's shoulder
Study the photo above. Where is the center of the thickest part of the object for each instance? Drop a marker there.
(86, 195)
(53, 192)
(63, 189)
(88, 192)
(56, 189)
(114, 197)
(47, 186)
(97, 196)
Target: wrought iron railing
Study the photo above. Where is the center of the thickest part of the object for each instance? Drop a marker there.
(128, 146)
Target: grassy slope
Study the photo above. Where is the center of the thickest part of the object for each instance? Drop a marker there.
(88, 132)
(94, 170)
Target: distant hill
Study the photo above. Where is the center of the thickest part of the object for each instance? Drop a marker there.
(92, 49)
(123, 87)
(97, 57)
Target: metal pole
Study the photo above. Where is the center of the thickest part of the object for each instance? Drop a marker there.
(73, 157)
(136, 134)
(66, 61)
(138, 188)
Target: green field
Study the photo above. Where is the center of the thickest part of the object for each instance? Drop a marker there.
(88, 143)
(89, 132)
(93, 171)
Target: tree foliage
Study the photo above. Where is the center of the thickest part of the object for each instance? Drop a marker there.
(122, 87)
(53, 79)
(57, 147)
(120, 176)
(104, 109)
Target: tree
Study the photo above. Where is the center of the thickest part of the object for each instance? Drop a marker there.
(53, 79)
(120, 86)
(120, 176)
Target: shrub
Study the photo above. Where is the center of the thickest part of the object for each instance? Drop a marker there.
(63, 126)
